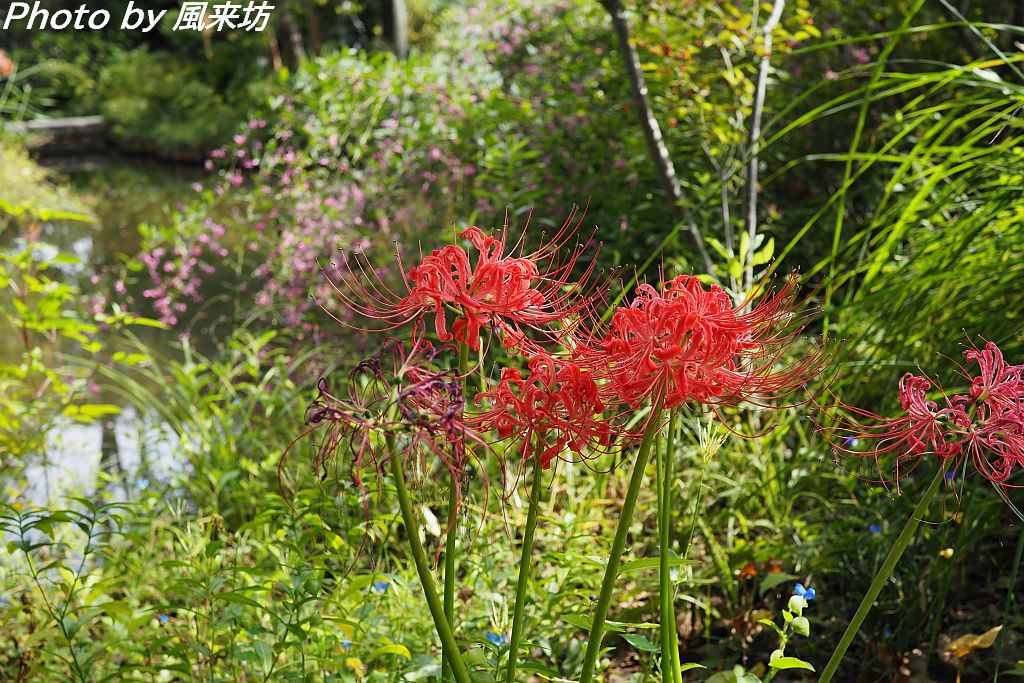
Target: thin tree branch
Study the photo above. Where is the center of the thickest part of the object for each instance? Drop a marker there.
(750, 220)
(652, 131)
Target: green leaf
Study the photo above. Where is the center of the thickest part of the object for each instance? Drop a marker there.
(390, 649)
(770, 624)
(650, 563)
(584, 622)
(265, 654)
(475, 657)
(116, 608)
(639, 643)
(146, 322)
(774, 580)
(130, 358)
(790, 663)
(765, 255)
(90, 411)
(232, 596)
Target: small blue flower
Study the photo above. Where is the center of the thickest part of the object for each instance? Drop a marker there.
(875, 528)
(142, 483)
(346, 644)
(380, 586)
(951, 475)
(887, 632)
(805, 593)
(496, 639)
(163, 618)
(851, 442)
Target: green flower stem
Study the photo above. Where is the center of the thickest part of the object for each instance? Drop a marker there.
(449, 571)
(451, 539)
(524, 568)
(604, 599)
(902, 541)
(669, 487)
(670, 669)
(449, 646)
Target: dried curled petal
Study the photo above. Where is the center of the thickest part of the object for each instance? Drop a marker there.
(394, 404)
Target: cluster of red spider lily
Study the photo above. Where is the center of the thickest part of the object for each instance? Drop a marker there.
(689, 343)
(558, 403)
(589, 368)
(982, 427)
(685, 344)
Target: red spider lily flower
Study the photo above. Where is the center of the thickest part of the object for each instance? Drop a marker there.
(393, 405)
(504, 288)
(690, 343)
(983, 428)
(557, 407)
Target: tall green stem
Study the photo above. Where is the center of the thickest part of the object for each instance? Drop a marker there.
(450, 547)
(667, 624)
(604, 599)
(525, 565)
(670, 647)
(449, 646)
(449, 571)
(902, 541)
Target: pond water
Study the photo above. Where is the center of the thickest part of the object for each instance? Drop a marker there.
(121, 193)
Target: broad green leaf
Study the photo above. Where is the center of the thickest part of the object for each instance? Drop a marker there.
(639, 643)
(775, 579)
(790, 663)
(770, 624)
(391, 649)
